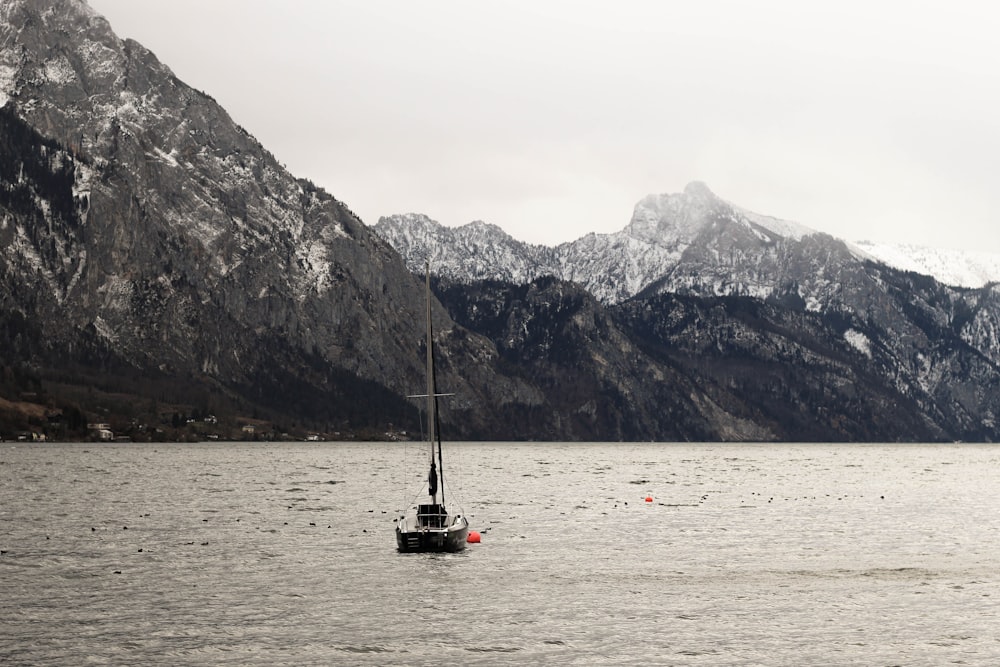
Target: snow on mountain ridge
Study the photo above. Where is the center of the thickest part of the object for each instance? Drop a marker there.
(617, 265)
(958, 268)
(477, 250)
(784, 228)
(613, 266)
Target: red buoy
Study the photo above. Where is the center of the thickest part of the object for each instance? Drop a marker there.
(649, 499)
(473, 537)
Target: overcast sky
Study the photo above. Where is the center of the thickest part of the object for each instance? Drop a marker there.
(551, 118)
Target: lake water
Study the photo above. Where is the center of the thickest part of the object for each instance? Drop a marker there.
(284, 554)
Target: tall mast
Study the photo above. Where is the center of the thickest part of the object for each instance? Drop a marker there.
(431, 398)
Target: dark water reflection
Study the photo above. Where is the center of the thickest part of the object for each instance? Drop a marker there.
(284, 554)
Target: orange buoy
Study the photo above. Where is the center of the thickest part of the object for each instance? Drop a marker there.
(649, 499)
(473, 537)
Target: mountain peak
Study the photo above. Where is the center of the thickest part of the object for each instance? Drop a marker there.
(487, 226)
(74, 77)
(699, 189)
(417, 220)
(671, 219)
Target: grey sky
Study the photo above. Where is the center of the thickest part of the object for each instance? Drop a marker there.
(551, 118)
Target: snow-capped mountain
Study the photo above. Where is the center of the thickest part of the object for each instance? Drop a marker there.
(476, 251)
(663, 247)
(959, 268)
(613, 267)
(666, 235)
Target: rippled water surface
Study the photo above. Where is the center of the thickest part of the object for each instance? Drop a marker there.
(271, 554)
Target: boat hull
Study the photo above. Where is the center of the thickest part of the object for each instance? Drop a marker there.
(440, 540)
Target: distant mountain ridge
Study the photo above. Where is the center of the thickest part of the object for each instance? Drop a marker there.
(612, 266)
(922, 337)
(648, 250)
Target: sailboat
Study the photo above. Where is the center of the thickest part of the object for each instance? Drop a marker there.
(428, 526)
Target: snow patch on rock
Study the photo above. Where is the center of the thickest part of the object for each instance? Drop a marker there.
(105, 330)
(784, 228)
(859, 342)
(59, 71)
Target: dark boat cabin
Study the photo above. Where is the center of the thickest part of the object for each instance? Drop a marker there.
(431, 516)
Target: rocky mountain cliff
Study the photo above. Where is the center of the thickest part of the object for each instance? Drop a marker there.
(144, 231)
(158, 267)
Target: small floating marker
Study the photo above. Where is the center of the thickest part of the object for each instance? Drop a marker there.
(473, 537)
(649, 499)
